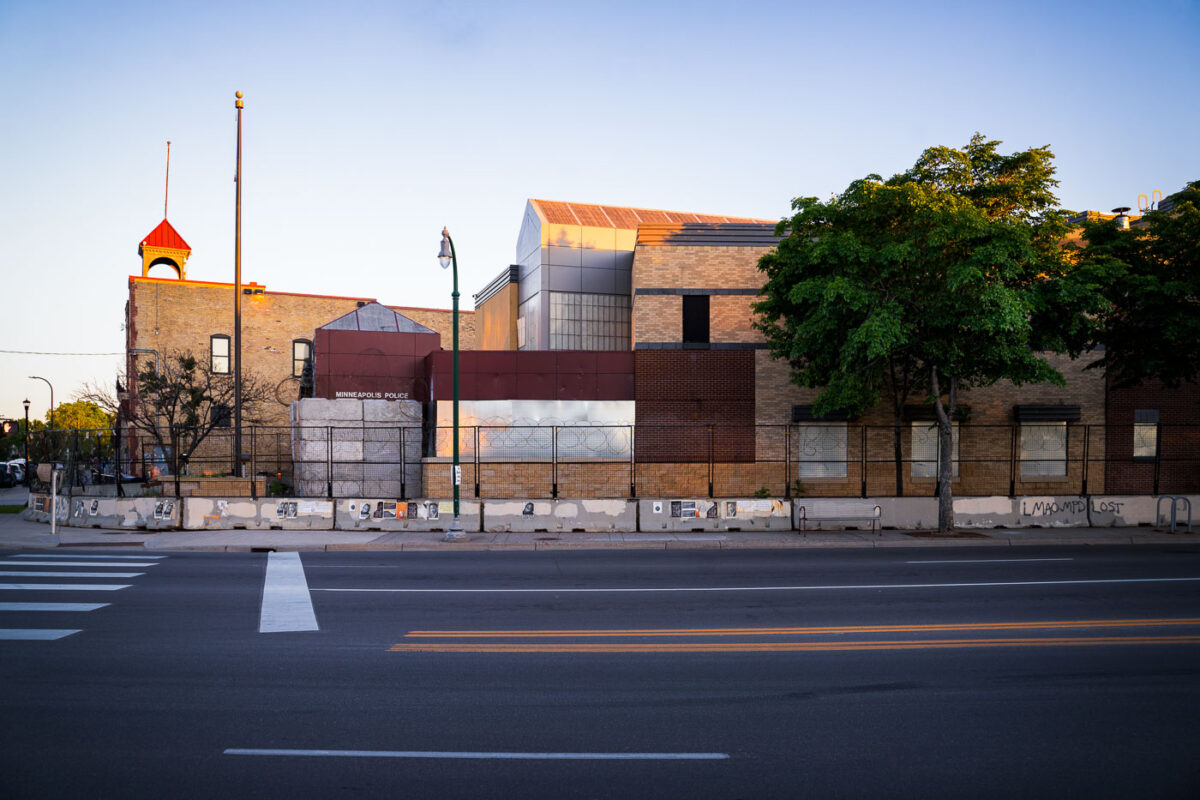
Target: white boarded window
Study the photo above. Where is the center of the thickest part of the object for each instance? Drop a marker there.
(821, 450)
(925, 449)
(219, 344)
(1145, 433)
(1043, 449)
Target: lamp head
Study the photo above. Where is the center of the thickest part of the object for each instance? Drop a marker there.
(25, 403)
(445, 255)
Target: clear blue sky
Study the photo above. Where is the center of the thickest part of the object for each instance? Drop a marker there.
(370, 125)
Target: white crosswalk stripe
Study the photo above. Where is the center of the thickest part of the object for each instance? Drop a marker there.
(32, 574)
(74, 556)
(59, 567)
(92, 564)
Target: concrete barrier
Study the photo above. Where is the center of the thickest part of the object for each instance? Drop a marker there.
(722, 514)
(90, 511)
(1111, 511)
(370, 514)
(500, 516)
(275, 513)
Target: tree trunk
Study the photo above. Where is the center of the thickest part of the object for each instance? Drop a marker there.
(945, 450)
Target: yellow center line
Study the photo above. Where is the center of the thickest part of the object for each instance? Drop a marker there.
(965, 626)
(781, 647)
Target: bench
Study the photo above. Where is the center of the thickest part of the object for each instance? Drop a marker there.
(841, 511)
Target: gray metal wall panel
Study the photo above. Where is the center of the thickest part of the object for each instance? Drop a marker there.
(564, 256)
(606, 259)
(598, 281)
(565, 279)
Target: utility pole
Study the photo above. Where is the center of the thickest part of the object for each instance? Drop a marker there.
(237, 300)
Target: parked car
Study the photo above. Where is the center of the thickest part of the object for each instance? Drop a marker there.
(10, 476)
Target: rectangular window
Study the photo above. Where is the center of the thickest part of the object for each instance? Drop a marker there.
(925, 449)
(530, 311)
(301, 354)
(581, 321)
(695, 319)
(1043, 449)
(221, 416)
(1145, 434)
(821, 450)
(220, 354)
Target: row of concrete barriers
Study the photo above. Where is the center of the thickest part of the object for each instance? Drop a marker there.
(565, 516)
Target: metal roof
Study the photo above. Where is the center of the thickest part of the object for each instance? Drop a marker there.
(164, 236)
(627, 218)
(375, 317)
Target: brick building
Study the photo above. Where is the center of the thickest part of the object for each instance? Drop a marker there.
(180, 314)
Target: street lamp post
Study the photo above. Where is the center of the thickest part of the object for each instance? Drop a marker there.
(447, 258)
(237, 301)
(48, 383)
(25, 403)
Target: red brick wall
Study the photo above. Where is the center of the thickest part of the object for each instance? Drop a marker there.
(694, 388)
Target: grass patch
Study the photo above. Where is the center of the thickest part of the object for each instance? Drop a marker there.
(12, 509)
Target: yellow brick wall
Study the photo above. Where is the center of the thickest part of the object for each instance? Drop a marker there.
(169, 315)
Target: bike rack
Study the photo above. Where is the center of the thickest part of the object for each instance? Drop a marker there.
(1176, 500)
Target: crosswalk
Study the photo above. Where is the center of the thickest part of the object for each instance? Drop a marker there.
(35, 572)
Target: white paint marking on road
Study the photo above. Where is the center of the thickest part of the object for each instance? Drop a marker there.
(51, 606)
(92, 564)
(33, 634)
(64, 587)
(498, 755)
(987, 560)
(74, 555)
(773, 588)
(35, 574)
(286, 603)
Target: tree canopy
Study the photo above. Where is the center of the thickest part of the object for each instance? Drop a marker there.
(940, 271)
(80, 415)
(1150, 276)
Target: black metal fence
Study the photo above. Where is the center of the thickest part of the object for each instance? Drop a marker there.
(813, 460)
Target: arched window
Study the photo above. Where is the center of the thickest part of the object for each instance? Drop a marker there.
(301, 356)
(219, 353)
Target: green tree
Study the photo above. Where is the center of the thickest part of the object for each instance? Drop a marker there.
(81, 415)
(180, 402)
(1150, 275)
(937, 276)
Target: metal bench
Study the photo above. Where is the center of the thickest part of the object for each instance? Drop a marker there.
(841, 511)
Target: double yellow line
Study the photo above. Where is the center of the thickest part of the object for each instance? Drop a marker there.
(533, 641)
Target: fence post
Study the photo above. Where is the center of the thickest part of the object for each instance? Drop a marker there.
(1157, 460)
(253, 464)
(403, 467)
(74, 459)
(632, 463)
(554, 462)
(710, 460)
(863, 459)
(1087, 437)
(476, 435)
(329, 462)
(1012, 462)
(787, 461)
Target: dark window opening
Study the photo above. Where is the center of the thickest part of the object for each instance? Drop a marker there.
(221, 416)
(695, 319)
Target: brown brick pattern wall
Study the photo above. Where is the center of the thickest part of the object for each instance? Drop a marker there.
(1178, 445)
(658, 318)
(697, 389)
(171, 315)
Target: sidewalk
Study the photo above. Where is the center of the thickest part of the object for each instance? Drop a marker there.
(16, 532)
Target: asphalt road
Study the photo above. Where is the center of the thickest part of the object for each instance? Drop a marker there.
(939, 672)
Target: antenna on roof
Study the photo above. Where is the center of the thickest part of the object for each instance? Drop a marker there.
(167, 182)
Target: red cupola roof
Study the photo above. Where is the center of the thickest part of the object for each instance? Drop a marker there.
(165, 236)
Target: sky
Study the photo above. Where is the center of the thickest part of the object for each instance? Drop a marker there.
(368, 126)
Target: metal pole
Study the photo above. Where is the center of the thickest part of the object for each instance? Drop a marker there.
(237, 299)
(48, 383)
(28, 478)
(1087, 437)
(455, 532)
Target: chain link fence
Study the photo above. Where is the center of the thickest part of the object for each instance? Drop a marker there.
(828, 459)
